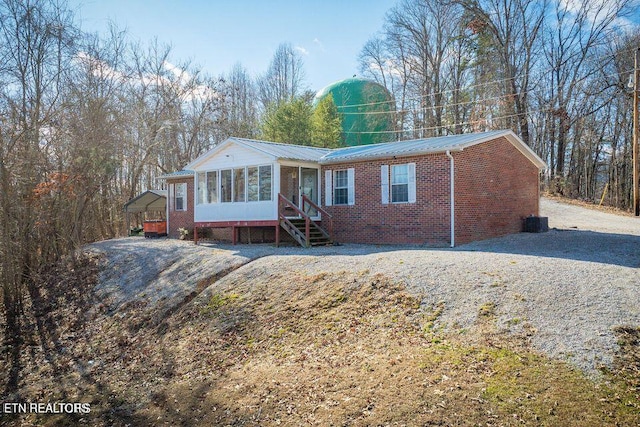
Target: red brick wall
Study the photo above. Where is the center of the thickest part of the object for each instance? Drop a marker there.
(369, 221)
(496, 187)
(180, 219)
(289, 183)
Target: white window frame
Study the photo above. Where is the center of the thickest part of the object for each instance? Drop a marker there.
(234, 194)
(215, 173)
(337, 187)
(260, 176)
(387, 184)
(233, 172)
(201, 188)
(228, 191)
(395, 184)
(182, 185)
(330, 187)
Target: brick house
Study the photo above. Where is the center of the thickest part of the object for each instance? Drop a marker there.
(436, 191)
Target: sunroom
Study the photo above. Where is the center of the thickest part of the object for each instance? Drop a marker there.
(248, 183)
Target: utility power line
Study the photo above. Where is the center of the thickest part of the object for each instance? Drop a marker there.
(431, 94)
(471, 122)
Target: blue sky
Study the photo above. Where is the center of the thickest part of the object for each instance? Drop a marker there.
(216, 34)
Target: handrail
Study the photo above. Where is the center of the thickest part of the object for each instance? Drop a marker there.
(314, 205)
(321, 210)
(291, 226)
(289, 203)
(307, 219)
(284, 203)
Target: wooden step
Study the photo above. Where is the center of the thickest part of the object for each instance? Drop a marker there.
(317, 236)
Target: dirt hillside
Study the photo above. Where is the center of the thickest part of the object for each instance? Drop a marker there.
(522, 330)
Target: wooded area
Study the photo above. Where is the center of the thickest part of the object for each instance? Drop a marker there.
(88, 121)
(555, 72)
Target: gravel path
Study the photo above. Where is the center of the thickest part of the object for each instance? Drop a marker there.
(570, 287)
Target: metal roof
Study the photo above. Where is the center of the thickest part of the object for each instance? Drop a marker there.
(414, 147)
(434, 145)
(285, 151)
(274, 149)
(176, 174)
(150, 200)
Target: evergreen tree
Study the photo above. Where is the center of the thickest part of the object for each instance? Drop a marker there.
(288, 122)
(326, 124)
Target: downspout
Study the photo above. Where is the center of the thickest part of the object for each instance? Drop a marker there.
(451, 197)
(167, 206)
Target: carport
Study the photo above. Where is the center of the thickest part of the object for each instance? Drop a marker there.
(153, 204)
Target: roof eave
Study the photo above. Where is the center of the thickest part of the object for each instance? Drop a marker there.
(526, 150)
(187, 174)
(389, 156)
(209, 153)
(194, 164)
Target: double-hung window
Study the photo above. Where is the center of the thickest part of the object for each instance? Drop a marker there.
(399, 183)
(341, 188)
(180, 197)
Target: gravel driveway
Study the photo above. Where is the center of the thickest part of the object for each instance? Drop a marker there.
(569, 287)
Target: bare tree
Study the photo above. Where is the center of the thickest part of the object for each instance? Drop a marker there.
(514, 27)
(572, 40)
(239, 114)
(35, 37)
(384, 59)
(414, 57)
(284, 79)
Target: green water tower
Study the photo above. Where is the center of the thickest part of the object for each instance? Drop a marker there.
(367, 110)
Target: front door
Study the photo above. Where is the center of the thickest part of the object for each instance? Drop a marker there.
(309, 188)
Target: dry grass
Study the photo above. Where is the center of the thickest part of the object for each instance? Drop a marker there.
(327, 349)
(593, 205)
